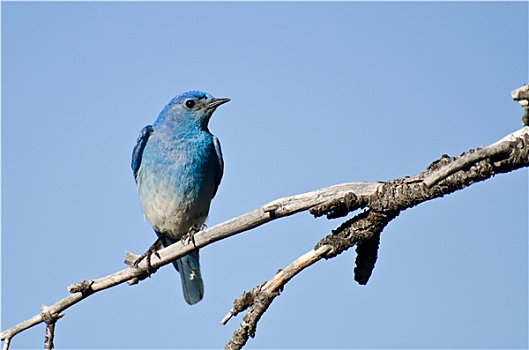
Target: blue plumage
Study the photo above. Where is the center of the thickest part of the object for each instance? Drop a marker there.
(177, 164)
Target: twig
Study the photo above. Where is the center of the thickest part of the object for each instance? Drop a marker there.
(298, 265)
(50, 333)
(6, 343)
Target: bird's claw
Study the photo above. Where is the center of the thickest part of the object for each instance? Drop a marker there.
(147, 255)
(189, 237)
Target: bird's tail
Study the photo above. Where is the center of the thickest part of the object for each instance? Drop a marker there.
(189, 268)
(192, 285)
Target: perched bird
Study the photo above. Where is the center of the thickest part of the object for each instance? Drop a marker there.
(178, 165)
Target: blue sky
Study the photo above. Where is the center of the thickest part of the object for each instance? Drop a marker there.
(322, 93)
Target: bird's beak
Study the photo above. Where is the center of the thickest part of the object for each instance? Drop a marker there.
(217, 102)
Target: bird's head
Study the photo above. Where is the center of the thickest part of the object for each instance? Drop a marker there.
(191, 109)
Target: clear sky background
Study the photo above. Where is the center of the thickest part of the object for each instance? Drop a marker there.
(322, 93)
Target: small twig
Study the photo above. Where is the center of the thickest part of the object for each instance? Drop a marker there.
(6, 343)
(283, 276)
(50, 319)
(50, 331)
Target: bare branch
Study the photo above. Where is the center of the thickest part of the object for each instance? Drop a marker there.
(268, 212)
(442, 177)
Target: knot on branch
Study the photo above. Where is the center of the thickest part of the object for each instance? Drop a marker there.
(339, 207)
(85, 288)
(48, 316)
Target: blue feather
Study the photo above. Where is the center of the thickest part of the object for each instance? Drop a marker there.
(137, 152)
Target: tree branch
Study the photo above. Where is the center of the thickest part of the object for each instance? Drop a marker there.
(268, 212)
(445, 176)
(383, 200)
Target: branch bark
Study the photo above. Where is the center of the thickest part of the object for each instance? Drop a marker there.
(383, 200)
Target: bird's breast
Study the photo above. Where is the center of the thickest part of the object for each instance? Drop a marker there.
(176, 184)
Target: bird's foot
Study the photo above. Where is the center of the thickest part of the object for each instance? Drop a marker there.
(147, 255)
(189, 237)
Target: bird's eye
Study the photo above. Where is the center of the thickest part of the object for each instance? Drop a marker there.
(190, 104)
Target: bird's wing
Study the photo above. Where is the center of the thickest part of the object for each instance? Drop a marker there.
(137, 153)
(220, 169)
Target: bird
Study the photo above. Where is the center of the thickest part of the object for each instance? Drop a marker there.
(177, 165)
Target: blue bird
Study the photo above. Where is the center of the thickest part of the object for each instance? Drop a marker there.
(178, 165)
